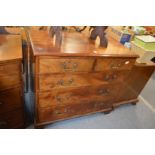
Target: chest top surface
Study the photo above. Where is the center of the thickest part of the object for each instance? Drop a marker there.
(75, 44)
(10, 47)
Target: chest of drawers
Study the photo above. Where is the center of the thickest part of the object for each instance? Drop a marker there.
(77, 78)
(11, 84)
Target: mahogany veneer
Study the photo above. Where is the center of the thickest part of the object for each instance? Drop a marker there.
(11, 83)
(79, 77)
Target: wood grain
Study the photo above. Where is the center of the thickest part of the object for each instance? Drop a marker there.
(10, 68)
(10, 99)
(105, 92)
(10, 47)
(7, 82)
(13, 119)
(62, 112)
(11, 82)
(65, 80)
(114, 64)
(48, 65)
(103, 79)
(75, 44)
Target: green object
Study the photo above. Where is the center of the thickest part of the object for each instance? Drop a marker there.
(145, 41)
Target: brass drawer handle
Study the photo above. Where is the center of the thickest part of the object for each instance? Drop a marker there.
(103, 91)
(114, 76)
(117, 66)
(75, 65)
(70, 81)
(1, 103)
(61, 112)
(110, 77)
(58, 98)
(69, 65)
(61, 99)
(113, 66)
(67, 83)
(107, 78)
(3, 124)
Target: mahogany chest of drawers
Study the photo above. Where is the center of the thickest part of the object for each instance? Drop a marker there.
(78, 78)
(11, 84)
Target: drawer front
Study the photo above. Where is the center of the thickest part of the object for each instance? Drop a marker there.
(48, 82)
(10, 68)
(77, 95)
(12, 120)
(65, 65)
(114, 64)
(10, 100)
(61, 112)
(7, 82)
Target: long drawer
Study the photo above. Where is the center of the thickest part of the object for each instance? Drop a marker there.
(48, 82)
(9, 81)
(61, 112)
(114, 64)
(10, 68)
(59, 65)
(12, 120)
(76, 95)
(10, 99)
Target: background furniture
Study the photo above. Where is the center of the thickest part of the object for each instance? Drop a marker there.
(11, 83)
(79, 78)
(22, 31)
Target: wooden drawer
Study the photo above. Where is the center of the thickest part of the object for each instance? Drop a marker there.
(10, 99)
(10, 68)
(51, 65)
(7, 82)
(61, 112)
(48, 82)
(114, 64)
(12, 120)
(77, 95)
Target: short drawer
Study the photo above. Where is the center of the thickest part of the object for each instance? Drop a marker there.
(10, 68)
(48, 82)
(51, 65)
(12, 120)
(114, 64)
(62, 112)
(77, 95)
(9, 81)
(10, 99)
